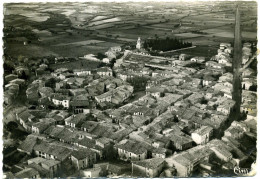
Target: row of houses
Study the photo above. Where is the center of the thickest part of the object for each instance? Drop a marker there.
(57, 151)
(172, 125)
(74, 92)
(249, 85)
(37, 167)
(117, 95)
(224, 152)
(63, 73)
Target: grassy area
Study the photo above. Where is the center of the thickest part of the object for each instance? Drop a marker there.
(31, 50)
(197, 51)
(15, 158)
(19, 134)
(76, 64)
(8, 150)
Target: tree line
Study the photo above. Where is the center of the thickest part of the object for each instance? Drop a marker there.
(166, 44)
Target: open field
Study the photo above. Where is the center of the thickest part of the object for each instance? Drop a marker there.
(38, 18)
(208, 51)
(75, 29)
(31, 50)
(76, 64)
(98, 18)
(249, 35)
(204, 41)
(77, 51)
(102, 26)
(42, 33)
(116, 19)
(188, 35)
(81, 43)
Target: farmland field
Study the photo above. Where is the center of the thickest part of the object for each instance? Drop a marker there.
(188, 35)
(102, 26)
(29, 51)
(225, 34)
(75, 29)
(116, 19)
(208, 51)
(98, 18)
(249, 35)
(76, 64)
(42, 33)
(80, 43)
(38, 18)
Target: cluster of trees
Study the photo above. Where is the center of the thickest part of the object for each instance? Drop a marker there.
(166, 44)
(16, 133)
(100, 56)
(199, 32)
(8, 66)
(55, 18)
(16, 33)
(138, 82)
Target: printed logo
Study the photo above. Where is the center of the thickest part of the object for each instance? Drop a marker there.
(241, 171)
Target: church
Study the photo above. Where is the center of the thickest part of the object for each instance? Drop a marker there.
(139, 48)
(139, 43)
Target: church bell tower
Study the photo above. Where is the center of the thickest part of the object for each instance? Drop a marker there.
(138, 44)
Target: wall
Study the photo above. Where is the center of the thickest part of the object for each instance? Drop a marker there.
(125, 155)
(182, 171)
(146, 172)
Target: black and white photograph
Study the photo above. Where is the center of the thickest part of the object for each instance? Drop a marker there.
(129, 89)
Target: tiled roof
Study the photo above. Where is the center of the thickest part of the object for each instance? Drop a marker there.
(53, 130)
(46, 90)
(28, 144)
(25, 115)
(42, 171)
(47, 162)
(150, 163)
(41, 125)
(60, 152)
(132, 146)
(117, 169)
(89, 143)
(27, 173)
(82, 154)
(60, 97)
(204, 130)
(159, 150)
(75, 119)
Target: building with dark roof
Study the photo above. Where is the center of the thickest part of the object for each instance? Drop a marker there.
(73, 120)
(83, 158)
(39, 127)
(51, 166)
(202, 135)
(28, 173)
(131, 150)
(51, 150)
(148, 168)
(28, 144)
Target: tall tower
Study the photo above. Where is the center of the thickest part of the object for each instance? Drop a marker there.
(138, 44)
(237, 60)
(237, 43)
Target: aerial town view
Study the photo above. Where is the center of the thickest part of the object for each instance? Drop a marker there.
(129, 89)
